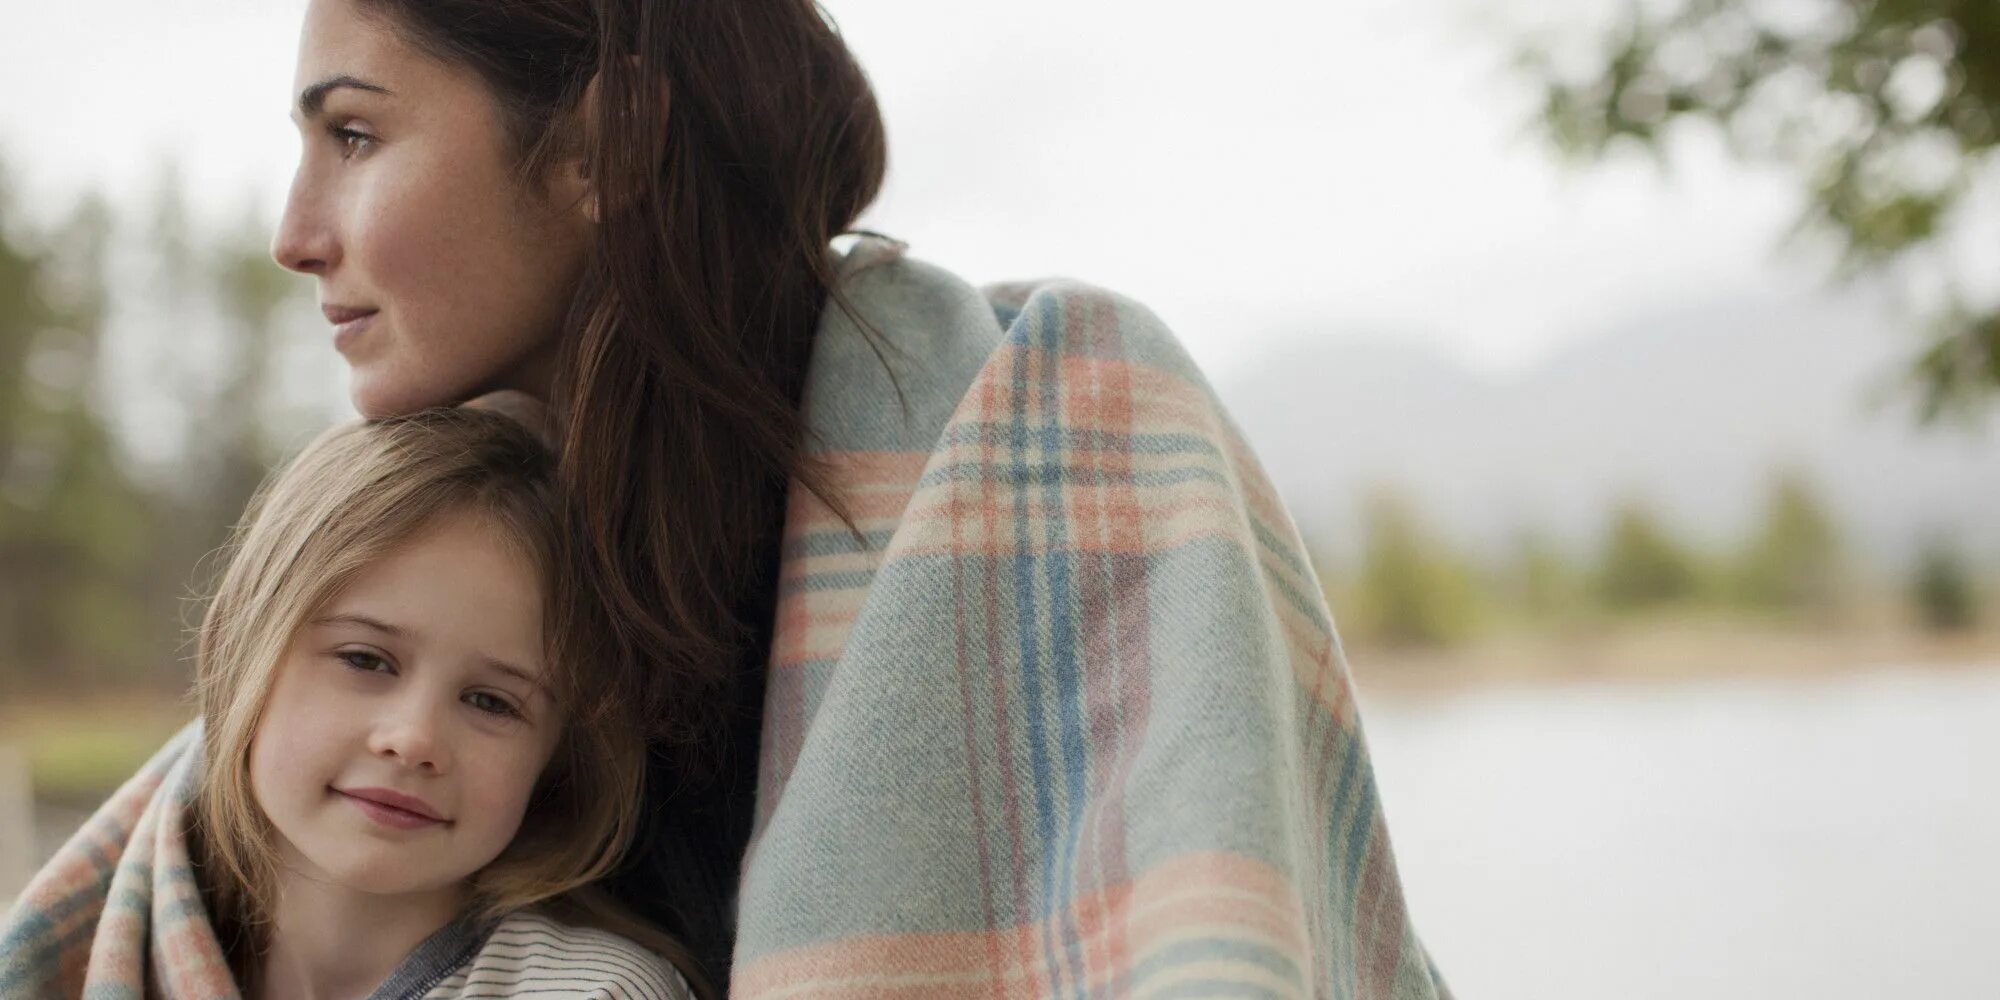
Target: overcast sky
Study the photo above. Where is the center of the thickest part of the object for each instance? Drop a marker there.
(1286, 169)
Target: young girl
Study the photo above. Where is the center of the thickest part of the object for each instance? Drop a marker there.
(398, 786)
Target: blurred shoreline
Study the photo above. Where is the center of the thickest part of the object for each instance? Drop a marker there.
(1664, 651)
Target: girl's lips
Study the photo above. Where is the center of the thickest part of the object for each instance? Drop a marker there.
(389, 815)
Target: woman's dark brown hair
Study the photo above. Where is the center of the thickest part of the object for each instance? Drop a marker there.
(728, 142)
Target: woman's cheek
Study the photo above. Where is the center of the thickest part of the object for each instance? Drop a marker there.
(445, 276)
(408, 253)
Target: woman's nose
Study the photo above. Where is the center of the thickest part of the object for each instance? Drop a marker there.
(305, 241)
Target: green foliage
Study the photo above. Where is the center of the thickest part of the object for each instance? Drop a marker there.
(1794, 563)
(72, 535)
(235, 419)
(1888, 112)
(1410, 591)
(81, 750)
(1943, 592)
(83, 765)
(91, 580)
(1643, 565)
(1541, 582)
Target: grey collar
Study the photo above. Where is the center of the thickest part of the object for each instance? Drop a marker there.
(438, 956)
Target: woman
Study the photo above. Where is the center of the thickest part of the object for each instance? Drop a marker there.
(1035, 693)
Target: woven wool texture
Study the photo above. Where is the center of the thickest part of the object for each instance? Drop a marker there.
(117, 914)
(1067, 716)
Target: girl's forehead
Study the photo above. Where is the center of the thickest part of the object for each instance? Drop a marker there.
(462, 582)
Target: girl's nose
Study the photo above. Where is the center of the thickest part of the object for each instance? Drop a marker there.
(305, 241)
(413, 735)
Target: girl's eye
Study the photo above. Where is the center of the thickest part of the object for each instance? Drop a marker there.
(364, 661)
(491, 704)
(351, 142)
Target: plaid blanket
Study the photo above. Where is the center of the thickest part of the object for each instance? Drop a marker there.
(1070, 717)
(116, 914)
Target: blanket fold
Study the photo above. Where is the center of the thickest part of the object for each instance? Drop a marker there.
(1067, 716)
(117, 912)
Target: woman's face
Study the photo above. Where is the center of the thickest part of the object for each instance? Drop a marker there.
(442, 276)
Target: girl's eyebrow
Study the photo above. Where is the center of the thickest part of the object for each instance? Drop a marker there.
(312, 100)
(378, 625)
(362, 620)
(526, 676)
(387, 629)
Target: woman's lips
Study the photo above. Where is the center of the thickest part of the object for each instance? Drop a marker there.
(348, 323)
(389, 815)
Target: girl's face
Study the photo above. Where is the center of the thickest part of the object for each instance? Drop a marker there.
(410, 718)
(442, 276)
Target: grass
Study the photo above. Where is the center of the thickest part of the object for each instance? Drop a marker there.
(79, 750)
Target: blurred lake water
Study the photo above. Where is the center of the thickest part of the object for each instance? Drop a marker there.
(1829, 838)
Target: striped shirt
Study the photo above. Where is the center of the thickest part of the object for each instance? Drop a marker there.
(531, 955)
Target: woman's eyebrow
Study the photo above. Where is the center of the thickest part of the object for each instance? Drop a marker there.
(313, 99)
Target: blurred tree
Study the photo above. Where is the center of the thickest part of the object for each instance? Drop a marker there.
(91, 586)
(234, 438)
(1643, 566)
(1889, 110)
(72, 524)
(223, 296)
(1541, 582)
(1409, 591)
(1794, 564)
(1943, 590)
(24, 313)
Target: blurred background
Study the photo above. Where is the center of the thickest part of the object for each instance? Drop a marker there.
(1629, 367)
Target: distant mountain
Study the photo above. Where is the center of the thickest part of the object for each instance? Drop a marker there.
(1691, 410)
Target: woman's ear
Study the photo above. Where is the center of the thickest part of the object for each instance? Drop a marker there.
(570, 183)
(571, 187)
(574, 181)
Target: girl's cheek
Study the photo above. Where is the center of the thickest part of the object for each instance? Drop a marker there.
(501, 800)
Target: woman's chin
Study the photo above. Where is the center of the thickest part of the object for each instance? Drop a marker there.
(391, 384)
(376, 398)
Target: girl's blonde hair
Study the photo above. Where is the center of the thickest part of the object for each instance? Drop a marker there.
(351, 496)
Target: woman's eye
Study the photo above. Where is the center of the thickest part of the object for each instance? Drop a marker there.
(364, 661)
(491, 704)
(351, 141)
